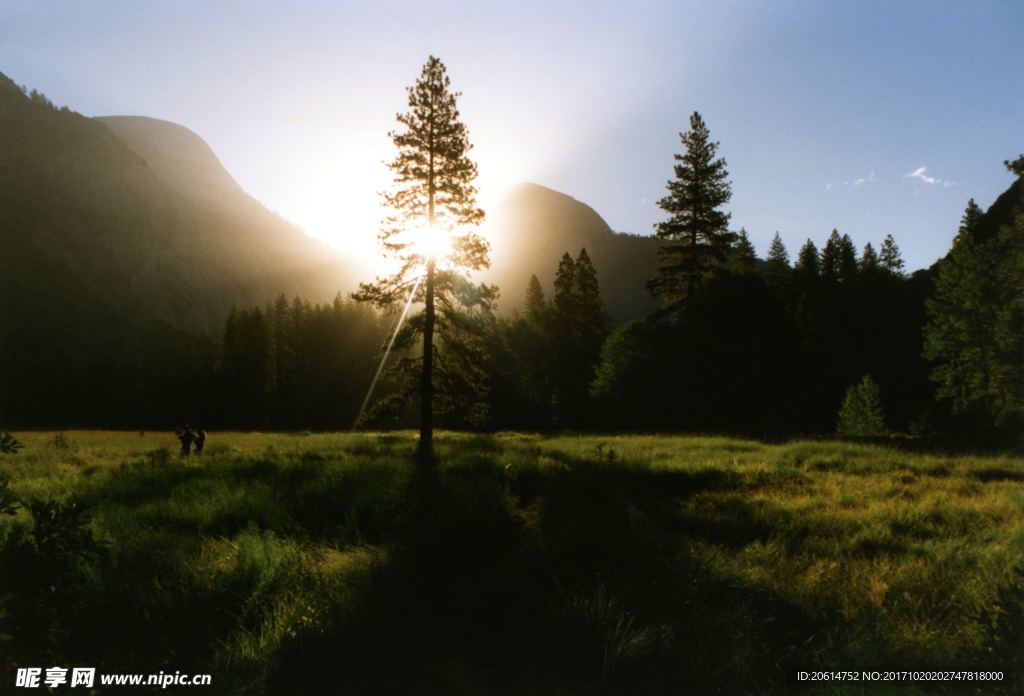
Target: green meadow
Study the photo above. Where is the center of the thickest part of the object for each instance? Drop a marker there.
(511, 563)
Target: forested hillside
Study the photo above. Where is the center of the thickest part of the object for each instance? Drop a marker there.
(120, 265)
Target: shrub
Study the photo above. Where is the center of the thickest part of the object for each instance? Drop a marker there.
(43, 586)
(9, 445)
(861, 413)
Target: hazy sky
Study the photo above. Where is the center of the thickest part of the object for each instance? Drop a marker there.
(872, 117)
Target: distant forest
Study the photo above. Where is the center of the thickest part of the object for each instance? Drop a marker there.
(765, 348)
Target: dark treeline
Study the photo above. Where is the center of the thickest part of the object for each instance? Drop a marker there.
(770, 349)
(764, 347)
(286, 365)
(296, 365)
(542, 361)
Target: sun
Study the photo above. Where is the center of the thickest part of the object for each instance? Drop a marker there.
(432, 243)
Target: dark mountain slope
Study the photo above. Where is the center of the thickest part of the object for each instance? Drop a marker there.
(115, 252)
(533, 226)
(139, 216)
(178, 157)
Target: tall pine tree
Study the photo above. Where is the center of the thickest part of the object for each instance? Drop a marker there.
(696, 231)
(890, 258)
(592, 316)
(432, 209)
(581, 325)
(808, 261)
(778, 257)
(744, 256)
(830, 256)
(535, 305)
(868, 260)
(565, 289)
(847, 260)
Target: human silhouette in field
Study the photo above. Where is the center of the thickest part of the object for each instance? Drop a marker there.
(200, 441)
(186, 437)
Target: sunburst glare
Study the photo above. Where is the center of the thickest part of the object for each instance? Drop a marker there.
(432, 243)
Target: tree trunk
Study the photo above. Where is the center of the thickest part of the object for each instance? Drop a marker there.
(427, 382)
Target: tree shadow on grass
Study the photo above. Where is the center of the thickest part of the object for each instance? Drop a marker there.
(577, 589)
(987, 474)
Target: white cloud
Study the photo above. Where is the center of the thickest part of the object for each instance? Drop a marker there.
(869, 179)
(922, 174)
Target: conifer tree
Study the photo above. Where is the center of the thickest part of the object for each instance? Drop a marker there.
(578, 305)
(861, 413)
(807, 261)
(890, 258)
(696, 231)
(581, 325)
(830, 256)
(847, 267)
(535, 305)
(778, 257)
(868, 260)
(565, 289)
(592, 316)
(1015, 166)
(429, 231)
(744, 256)
(281, 349)
(969, 222)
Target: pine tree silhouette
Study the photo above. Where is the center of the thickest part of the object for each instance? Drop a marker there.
(433, 208)
(696, 233)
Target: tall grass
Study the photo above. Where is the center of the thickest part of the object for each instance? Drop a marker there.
(522, 564)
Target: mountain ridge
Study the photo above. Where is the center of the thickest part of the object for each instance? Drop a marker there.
(178, 156)
(533, 226)
(165, 233)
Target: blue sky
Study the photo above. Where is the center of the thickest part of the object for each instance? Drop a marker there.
(871, 117)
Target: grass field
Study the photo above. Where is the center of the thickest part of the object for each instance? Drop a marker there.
(516, 564)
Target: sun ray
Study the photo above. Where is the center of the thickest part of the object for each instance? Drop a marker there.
(387, 352)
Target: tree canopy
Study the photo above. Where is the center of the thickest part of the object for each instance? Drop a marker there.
(975, 331)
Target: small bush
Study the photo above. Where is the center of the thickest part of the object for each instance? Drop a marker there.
(9, 503)
(8, 444)
(861, 412)
(44, 585)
